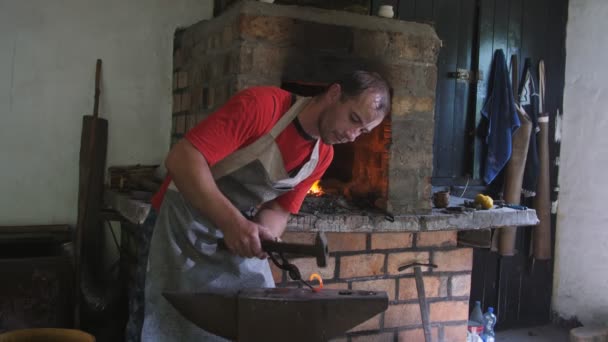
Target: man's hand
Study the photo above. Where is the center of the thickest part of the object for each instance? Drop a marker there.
(244, 239)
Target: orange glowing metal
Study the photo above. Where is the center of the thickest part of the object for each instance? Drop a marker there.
(315, 189)
(317, 277)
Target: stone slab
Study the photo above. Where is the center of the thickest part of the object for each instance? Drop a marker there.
(437, 220)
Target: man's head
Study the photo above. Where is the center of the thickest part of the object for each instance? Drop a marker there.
(355, 104)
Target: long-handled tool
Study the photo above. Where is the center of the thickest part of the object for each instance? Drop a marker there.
(93, 145)
(280, 251)
(424, 305)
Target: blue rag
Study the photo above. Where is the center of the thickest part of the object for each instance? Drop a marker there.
(501, 114)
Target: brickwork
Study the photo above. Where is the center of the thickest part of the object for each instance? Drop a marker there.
(253, 43)
(373, 266)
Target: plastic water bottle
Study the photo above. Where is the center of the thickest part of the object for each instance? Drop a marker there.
(476, 314)
(488, 328)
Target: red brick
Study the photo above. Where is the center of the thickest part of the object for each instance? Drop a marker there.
(370, 43)
(175, 80)
(190, 121)
(178, 60)
(228, 36)
(433, 287)
(336, 286)
(266, 28)
(455, 333)
(395, 260)
(361, 265)
(182, 79)
(180, 124)
(387, 285)
(449, 311)
(436, 239)
(309, 266)
(270, 61)
(457, 260)
(416, 335)
(371, 324)
(379, 337)
(196, 97)
(391, 240)
(461, 285)
(185, 102)
(176, 103)
(402, 314)
(338, 242)
(298, 237)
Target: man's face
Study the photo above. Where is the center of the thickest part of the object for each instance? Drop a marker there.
(344, 120)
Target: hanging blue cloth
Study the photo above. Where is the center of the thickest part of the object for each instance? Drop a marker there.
(501, 115)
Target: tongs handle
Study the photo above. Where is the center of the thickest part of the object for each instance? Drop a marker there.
(319, 250)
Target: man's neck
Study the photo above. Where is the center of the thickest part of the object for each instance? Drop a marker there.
(309, 117)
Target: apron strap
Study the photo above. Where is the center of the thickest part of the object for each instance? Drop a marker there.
(293, 111)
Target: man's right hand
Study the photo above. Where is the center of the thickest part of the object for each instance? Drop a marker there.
(243, 239)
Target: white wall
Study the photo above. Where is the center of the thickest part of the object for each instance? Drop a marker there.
(581, 265)
(48, 51)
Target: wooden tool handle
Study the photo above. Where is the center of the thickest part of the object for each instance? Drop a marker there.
(97, 89)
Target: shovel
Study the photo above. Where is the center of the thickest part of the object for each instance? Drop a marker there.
(93, 146)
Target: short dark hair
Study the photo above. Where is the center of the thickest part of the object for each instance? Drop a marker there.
(356, 82)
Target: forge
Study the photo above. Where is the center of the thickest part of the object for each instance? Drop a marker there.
(303, 49)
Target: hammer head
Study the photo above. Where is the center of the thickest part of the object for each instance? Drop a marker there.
(322, 251)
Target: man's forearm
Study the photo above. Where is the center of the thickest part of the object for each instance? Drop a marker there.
(273, 217)
(190, 172)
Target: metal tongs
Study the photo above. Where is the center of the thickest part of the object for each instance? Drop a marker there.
(277, 252)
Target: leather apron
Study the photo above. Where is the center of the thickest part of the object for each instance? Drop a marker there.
(183, 251)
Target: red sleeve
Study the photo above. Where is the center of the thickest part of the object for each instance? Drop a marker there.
(238, 123)
(292, 201)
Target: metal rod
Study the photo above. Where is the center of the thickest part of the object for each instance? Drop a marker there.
(424, 306)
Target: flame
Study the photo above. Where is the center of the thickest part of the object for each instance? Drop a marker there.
(317, 277)
(315, 189)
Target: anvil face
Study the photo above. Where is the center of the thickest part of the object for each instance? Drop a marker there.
(279, 314)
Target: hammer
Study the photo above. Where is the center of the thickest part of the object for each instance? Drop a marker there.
(424, 306)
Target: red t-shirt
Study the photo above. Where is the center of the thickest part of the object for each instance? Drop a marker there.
(242, 120)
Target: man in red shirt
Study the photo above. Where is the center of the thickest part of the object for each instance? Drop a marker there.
(238, 175)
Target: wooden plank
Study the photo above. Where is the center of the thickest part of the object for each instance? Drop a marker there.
(514, 33)
(485, 54)
(424, 10)
(57, 232)
(509, 285)
(447, 17)
(464, 97)
(406, 10)
(484, 276)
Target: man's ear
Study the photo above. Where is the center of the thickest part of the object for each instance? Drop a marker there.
(334, 92)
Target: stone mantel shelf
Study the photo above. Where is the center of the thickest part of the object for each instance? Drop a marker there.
(135, 211)
(435, 221)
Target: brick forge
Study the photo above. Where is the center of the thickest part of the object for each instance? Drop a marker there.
(369, 261)
(254, 43)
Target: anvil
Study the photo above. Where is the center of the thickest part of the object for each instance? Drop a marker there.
(278, 314)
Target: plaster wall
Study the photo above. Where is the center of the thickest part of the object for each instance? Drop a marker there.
(581, 273)
(47, 70)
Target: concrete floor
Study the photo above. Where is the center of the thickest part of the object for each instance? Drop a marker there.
(545, 333)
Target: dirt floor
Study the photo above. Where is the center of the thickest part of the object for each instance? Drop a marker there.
(545, 333)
